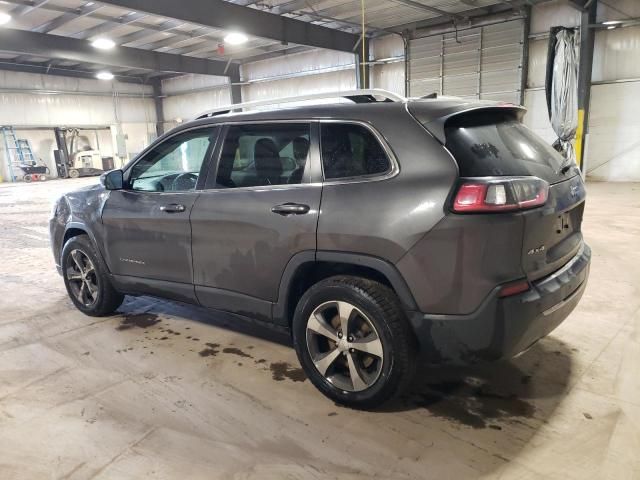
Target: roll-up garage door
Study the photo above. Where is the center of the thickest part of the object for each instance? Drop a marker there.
(481, 63)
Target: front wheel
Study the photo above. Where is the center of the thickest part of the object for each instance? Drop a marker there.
(353, 341)
(86, 279)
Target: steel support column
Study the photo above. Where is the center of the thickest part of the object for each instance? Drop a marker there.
(362, 64)
(587, 37)
(157, 100)
(236, 88)
(524, 70)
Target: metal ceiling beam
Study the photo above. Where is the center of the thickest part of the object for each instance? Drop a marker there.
(33, 43)
(105, 27)
(147, 31)
(228, 16)
(437, 22)
(28, 67)
(427, 8)
(57, 22)
(24, 9)
(275, 54)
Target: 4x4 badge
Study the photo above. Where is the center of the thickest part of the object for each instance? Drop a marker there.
(533, 251)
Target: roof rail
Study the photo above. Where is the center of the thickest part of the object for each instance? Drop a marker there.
(357, 96)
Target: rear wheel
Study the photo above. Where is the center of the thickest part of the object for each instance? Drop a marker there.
(353, 341)
(73, 173)
(86, 279)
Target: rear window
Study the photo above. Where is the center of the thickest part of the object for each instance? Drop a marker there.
(497, 145)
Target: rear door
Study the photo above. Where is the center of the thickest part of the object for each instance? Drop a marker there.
(259, 208)
(146, 225)
(496, 144)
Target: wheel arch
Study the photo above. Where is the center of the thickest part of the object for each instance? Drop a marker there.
(74, 229)
(307, 268)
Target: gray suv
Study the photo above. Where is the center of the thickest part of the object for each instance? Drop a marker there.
(380, 234)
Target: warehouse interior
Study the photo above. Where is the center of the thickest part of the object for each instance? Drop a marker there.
(164, 390)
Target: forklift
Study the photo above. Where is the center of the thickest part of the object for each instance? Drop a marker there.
(73, 161)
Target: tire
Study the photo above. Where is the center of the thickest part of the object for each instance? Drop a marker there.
(86, 278)
(376, 323)
(73, 173)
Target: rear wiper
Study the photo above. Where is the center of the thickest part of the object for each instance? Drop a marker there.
(566, 166)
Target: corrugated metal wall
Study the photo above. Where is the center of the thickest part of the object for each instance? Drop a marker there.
(612, 150)
(34, 100)
(479, 63)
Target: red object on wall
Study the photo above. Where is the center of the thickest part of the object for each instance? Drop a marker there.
(221, 49)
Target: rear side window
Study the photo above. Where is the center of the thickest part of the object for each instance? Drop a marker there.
(256, 155)
(351, 150)
(485, 144)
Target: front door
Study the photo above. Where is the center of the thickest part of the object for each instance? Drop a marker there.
(256, 212)
(146, 225)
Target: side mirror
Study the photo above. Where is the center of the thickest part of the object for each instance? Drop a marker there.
(113, 180)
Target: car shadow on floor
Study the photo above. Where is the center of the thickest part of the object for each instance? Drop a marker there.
(493, 394)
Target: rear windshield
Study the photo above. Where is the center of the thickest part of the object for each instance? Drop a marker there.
(497, 144)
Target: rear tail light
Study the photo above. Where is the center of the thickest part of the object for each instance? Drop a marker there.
(499, 194)
(513, 288)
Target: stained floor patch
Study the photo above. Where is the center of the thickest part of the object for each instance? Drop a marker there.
(210, 351)
(473, 406)
(138, 320)
(236, 351)
(282, 370)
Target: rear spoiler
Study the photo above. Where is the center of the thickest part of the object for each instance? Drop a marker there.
(435, 117)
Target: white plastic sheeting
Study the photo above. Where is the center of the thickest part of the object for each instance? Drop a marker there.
(551, 14)
(389, 76)
(309, 62)
(289, 87)
(613, 144)
(188, 83)
(187, 106)
(78, 110)
(564, 91)
(537, 116)
(86, 102)
(616, 54)
(36, 81)
(315, 71)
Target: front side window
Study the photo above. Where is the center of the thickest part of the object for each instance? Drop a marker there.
(351, 150)
(256, 155)
(174, 165)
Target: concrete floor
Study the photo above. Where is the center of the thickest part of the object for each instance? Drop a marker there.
(168, 391)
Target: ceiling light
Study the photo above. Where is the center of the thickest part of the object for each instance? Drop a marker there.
(104, 76)
(235, 38)
(103, 43)
(4, 18)
(612, 22)
(611, 27)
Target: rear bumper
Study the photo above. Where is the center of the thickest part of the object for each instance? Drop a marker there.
(504, 327)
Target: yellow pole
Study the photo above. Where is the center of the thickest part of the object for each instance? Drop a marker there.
(579, 137)
(364, 55)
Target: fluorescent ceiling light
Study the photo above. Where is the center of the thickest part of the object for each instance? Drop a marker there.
(4, 18)
(612, 22)
(105, 76)
(103, 43)
(235, 38)
(611, 27)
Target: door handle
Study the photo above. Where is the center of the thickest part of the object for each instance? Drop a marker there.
(173, 208)
(291, 209)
